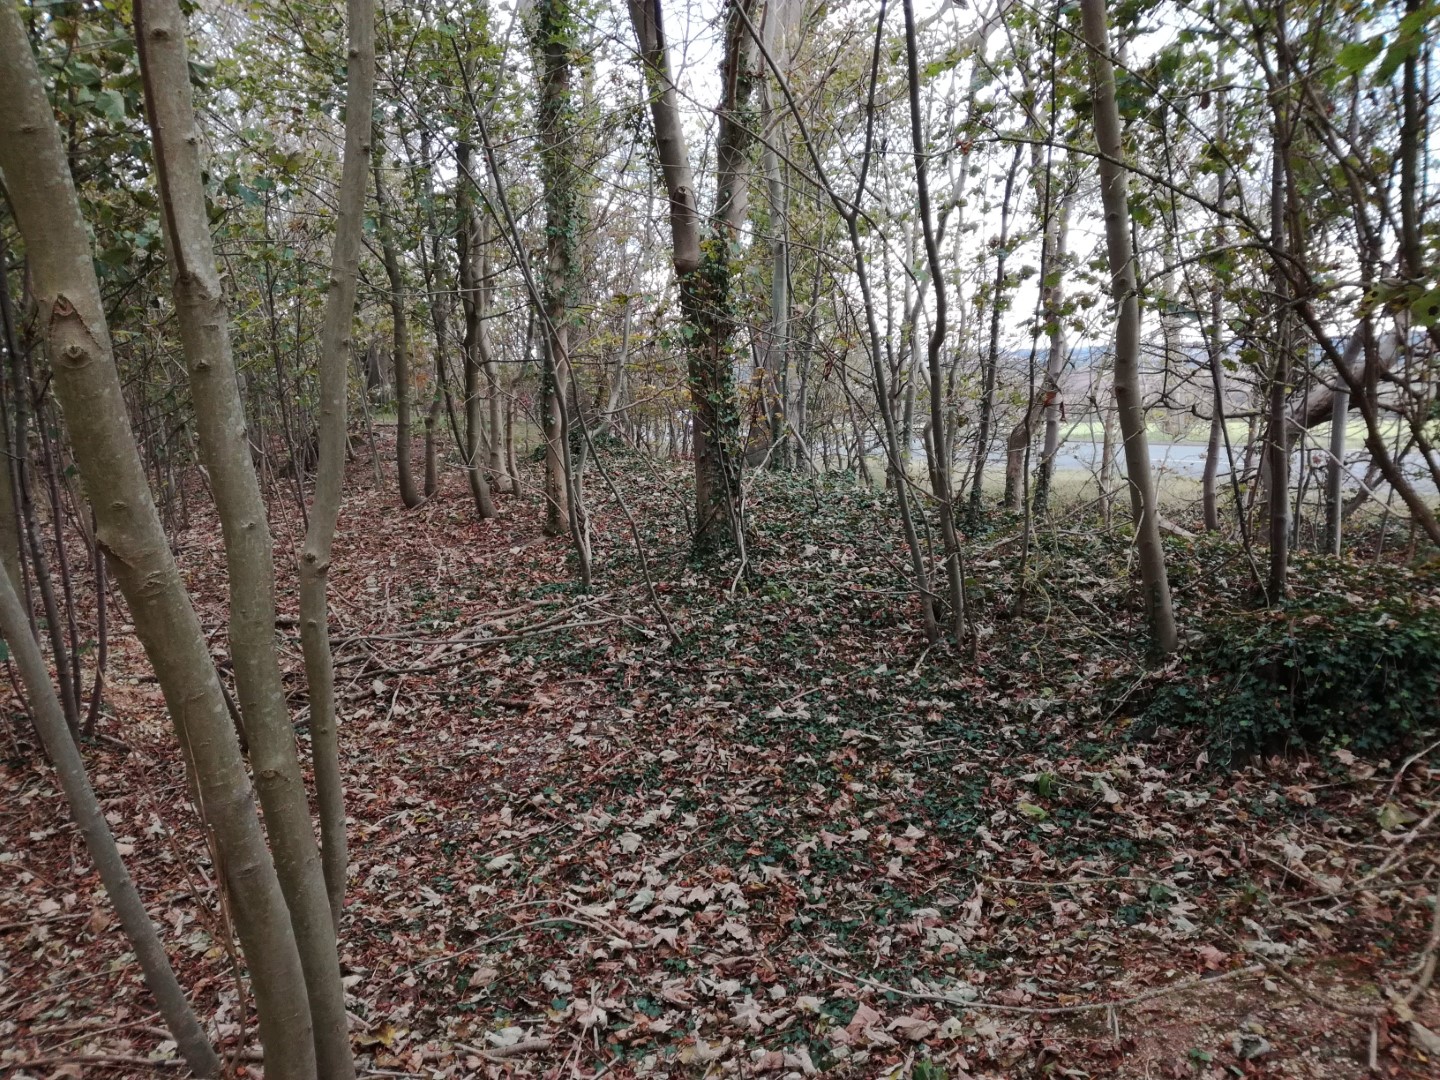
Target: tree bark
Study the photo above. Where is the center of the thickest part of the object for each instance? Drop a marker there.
(314, 562)
(88, 387)
(1143, 501)
(180, 1018)
(703, 271)
(553, 42)
(409, 495)
(476, 344)
(160, 32)
(940, 460)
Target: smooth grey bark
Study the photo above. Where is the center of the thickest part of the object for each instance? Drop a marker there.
(160, 33)
(1334, 473)
(128, 528)
(1144, 507)
(314, 562)
(180, 1018)
(409, 494)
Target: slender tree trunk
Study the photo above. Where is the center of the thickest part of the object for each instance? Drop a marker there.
(30, 530)
(777, 334)
(473, 297)
(11, 526)
(334, 349)
(502, 468)
(160, 33)
(992, 354)
(1210, 486)
(144, 939)
(102, 633)
(1143, 501)
(1055, 361)
(1054, 245)
(128, 528)
(940, 466)
(1278, 444)
(404, 468)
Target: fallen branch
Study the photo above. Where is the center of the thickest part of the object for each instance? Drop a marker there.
(502, 1053)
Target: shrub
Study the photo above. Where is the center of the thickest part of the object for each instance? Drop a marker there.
(1331, 666)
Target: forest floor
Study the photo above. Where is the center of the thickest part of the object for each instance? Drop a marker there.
(797, 842)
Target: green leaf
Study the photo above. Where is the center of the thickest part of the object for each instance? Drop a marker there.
(109, 104)
(1033, 812)
(1358, 55)
(1426, 310)
(1392, 816)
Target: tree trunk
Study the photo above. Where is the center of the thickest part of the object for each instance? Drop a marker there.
(704, 274)
(88, 387)
(1055, 362)
(992, 354)
(409, 496)
(473, 295)
(775, 369)
(144, 939)
(249, 550)
(1210, 486)
(940, 464)
(554, 42)
(334, 350)
(1143, 501)
(1055, 245)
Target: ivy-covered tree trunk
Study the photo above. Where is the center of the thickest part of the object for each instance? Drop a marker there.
(472, 304)
(703, 269)
(555, 44)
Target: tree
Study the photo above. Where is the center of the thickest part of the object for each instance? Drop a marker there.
(703, 268)
(249, 551)
(180, 1019)
(1144, 505)
(409, 494)
(72, 316)
(335, 340)
(475, 349)
(555, 42)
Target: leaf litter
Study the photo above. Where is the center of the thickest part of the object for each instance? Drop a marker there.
(794, 843)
